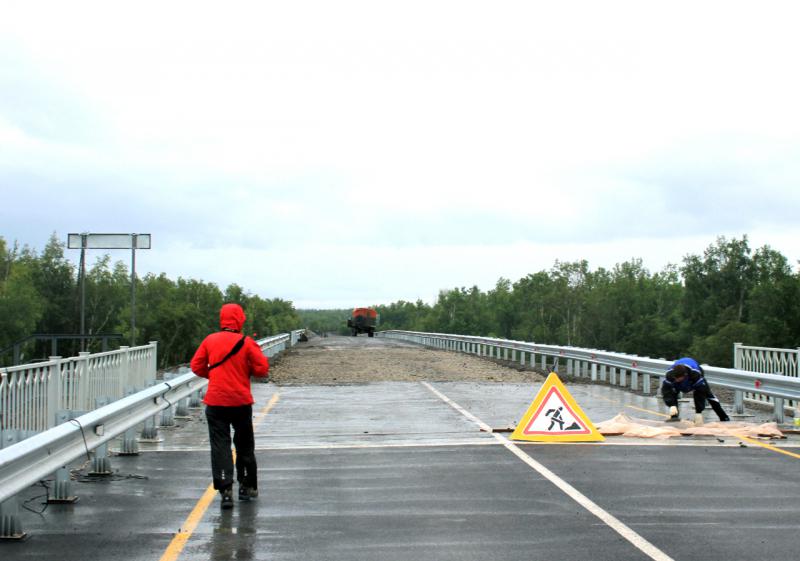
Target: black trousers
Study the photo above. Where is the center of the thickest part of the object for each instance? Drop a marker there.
(220, 421)
(700, 395)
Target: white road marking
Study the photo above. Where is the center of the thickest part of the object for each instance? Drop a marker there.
(615, 524)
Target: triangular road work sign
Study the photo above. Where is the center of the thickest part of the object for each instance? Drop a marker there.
(555, 416)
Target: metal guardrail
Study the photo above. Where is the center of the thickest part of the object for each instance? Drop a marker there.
(595, 364)
(24, 463)
(39, 456)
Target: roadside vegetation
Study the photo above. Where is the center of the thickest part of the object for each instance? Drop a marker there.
(729, 294)
(40, 293)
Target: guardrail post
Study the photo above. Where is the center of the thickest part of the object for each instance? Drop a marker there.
(646, 383)
(622, 377)
(612, 378)
(779, 414)
(62, 486)
(634, 380)
(129, 446)
(594, 372)
(544, 362)
(603, 372)
(101, 465)
(150, 430)
(570, 366)
(194, 400)
(182, 409)
(10, 523)
(738, 402)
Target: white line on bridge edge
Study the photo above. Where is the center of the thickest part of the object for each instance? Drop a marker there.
(635, 539)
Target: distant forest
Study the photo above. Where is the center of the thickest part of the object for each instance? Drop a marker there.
(730, 293)
(39, 293)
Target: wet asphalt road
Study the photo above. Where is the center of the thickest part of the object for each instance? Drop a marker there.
(390, 471)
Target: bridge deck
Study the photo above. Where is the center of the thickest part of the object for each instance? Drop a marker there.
(391, 471)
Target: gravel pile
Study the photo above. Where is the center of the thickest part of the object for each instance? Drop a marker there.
(346, 360)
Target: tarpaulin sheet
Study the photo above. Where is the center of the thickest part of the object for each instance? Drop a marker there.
(623, 425)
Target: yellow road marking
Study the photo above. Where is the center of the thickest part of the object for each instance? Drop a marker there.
(648, 411)
(615, 402)
(179, 541)
(768, 446)
(188, 527)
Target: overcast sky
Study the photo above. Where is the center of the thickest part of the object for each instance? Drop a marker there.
(351, 153)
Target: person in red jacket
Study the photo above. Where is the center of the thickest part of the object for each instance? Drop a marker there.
(228, 359)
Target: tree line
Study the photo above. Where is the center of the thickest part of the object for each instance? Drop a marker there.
(40, 293)
(728, 294)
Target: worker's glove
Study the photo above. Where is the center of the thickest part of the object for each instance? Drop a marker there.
(673, 411)
(698, 419)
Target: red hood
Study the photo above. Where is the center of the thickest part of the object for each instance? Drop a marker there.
(231, 316)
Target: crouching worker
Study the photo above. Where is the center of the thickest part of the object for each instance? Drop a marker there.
(686, 376)
(228, 359)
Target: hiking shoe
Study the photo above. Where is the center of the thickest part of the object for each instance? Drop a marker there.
(247, 493)
(227, 498)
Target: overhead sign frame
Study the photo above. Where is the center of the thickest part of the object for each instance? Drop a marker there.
(88, 240)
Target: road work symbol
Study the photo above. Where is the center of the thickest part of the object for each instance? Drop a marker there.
(555, 416)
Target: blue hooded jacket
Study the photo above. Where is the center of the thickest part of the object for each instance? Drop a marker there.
(695, 379)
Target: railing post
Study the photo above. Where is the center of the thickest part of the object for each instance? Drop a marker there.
(54, 391)
(737, 356)
(125, 368)
(634, 380)
(85, 397)
(594, 372)
(646, 384)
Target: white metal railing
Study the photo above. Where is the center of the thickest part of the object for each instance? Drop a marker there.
(601, 365)
(31, 395)
(766, 360)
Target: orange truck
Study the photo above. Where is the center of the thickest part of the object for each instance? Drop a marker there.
(363, 320)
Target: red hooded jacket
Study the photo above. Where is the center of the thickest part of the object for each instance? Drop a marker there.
(229, 383)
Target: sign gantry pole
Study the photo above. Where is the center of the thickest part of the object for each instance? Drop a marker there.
(108, 241)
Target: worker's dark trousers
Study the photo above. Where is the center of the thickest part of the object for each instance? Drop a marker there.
(220, 420)
(701, 395)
